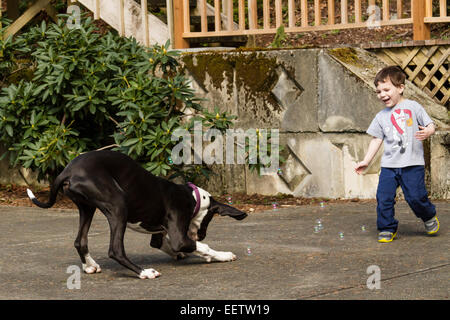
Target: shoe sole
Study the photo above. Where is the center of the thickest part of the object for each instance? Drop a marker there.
(434, 231)
(386, 240)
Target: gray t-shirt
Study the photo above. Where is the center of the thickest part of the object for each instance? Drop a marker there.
(397, 126)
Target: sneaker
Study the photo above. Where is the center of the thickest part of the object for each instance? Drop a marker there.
(386, 236)
(432, 225)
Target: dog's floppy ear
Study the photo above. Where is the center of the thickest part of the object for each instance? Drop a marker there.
(225, 210)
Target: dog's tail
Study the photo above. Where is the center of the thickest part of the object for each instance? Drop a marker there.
(53, 193)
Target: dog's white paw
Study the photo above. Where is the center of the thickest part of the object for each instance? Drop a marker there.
(225, 256)
(91, 266)
(89, 269)
(149, 274)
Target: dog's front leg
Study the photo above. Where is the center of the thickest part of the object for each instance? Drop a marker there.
(204, 251)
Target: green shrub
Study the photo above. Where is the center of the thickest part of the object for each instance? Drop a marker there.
(89, 91)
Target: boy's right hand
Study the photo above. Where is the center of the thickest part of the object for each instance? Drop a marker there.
(361, 166)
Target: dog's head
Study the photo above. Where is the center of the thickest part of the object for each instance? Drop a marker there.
(208, 208)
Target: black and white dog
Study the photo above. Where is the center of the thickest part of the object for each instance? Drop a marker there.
(176, 215)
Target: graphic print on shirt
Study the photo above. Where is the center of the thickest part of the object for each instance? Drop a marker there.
(401, 118)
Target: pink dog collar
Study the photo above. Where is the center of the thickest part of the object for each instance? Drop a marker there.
(197, 196)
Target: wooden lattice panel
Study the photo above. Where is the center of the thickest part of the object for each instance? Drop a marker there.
(428, 67)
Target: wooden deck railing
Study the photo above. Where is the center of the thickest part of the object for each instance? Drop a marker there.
(266, 16)
(310, 15)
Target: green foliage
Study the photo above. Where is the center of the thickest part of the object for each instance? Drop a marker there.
(264, 136)
(6, 50)
(279, 38)
(89, 91)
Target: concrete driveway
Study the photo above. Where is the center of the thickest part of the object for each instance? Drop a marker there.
(280, 257)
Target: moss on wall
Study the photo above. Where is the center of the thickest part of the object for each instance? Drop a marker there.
(348, 56)
(253, 70)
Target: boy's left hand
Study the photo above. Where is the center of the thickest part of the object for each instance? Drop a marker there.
(424, 132)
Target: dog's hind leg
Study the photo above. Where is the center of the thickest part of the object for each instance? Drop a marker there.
(81, 242)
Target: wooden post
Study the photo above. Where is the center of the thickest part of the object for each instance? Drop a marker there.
(241, 15)
(291, 13)
(217, 20)
(144, 12)
(385, 6)
(331, 12)
(399, 9)
(169, 11)
(203, 16)
(442, 8)
(179, 22)
(97, 10)
(278, 14)
(421, 30)
(230, 15)
(317, 13)
(344, 12)
(252, 15)
(358, 16)
(266, 15)
(304, 12)
(428, 8)
(122, 18)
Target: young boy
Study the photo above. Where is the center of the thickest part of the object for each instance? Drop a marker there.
(402, 126)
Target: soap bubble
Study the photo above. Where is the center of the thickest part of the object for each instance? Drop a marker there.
(322, 204)
(280, 172)
(249, 251)
(229, 199)
(363, 228)
(316, 229)
(341, 236)
(319, 224)
(274, 205)
(169, 159)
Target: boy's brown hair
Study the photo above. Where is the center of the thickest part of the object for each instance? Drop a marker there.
(393, 73)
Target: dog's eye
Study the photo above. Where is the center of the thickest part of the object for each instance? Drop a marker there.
(204, 197)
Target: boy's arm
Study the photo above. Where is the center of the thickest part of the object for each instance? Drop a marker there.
(374, 145)
(425, 132)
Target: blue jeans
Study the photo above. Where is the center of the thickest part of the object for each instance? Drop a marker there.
(412, 181)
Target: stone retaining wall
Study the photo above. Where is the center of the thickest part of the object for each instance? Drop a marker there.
(322, 101)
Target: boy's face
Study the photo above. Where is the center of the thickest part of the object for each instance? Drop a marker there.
(389, 94)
